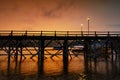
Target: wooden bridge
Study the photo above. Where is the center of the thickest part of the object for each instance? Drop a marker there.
(14, 42)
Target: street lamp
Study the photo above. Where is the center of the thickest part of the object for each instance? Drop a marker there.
(88, 19)
(81, 27)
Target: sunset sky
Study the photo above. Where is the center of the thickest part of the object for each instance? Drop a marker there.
(59, 15)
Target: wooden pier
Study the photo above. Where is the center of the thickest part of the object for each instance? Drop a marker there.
(14, 42)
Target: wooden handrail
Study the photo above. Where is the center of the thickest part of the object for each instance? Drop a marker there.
(58, 33)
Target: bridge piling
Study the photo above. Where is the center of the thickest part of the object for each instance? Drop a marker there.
(112, 49)
(42, 49)
(40, 56)
(21, 49)
(65, 50)
(65, 56)
(16, 54)
(9, 54)
(117, 49)
(106, 49)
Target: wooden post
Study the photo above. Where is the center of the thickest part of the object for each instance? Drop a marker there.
(9, 53)
(41, 33)
(95, 34)
(106, 51)
(67, 33)
(55, 34)
(117, 49)
(26, 33)
(40, 56)
(11, 34)
(81, 33)
(16, 54)
(65, 56)
(65, 50)
(42, 49)
(85, 49)
(112, 49)
(8, 67)
(89, 50)
(21, 54)
(21, 45)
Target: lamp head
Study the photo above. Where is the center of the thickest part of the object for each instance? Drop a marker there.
(88, 18)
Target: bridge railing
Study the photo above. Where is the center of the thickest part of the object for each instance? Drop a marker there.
(59, 33)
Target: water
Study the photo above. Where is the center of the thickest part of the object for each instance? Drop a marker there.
(54, 69)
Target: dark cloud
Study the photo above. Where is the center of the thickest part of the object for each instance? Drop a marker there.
(56, 8)
(59, 7)
(46, 8)
(50, 8)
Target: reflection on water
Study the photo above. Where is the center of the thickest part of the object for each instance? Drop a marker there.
(77, 68)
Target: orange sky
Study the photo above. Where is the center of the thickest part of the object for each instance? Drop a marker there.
(59, 14)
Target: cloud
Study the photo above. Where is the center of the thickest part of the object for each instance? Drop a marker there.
(46, 8)
(56, 8)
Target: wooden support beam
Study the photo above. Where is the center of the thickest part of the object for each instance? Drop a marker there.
(16, 54)
(65, 50)
(8, 66)
(112, 49)
(21, 52)
(40, 56)
(42, 49)
(106, 49)
(17, 50)
(65, 56)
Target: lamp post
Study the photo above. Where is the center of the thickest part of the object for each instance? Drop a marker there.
(88, 19)
(81, 27)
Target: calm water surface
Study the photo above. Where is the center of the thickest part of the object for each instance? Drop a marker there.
(54, 68)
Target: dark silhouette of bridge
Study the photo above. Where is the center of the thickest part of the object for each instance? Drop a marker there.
(95, 43)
